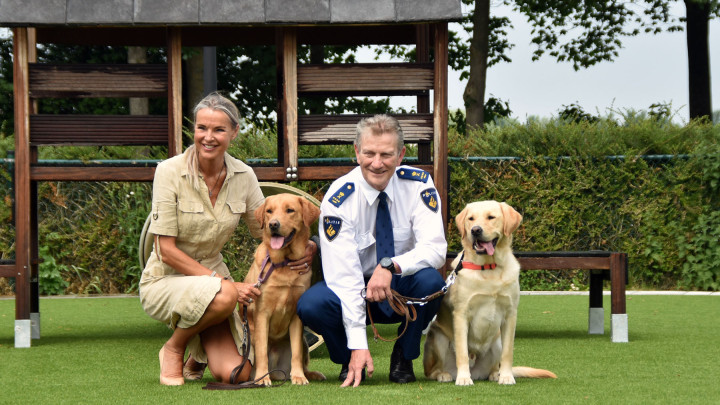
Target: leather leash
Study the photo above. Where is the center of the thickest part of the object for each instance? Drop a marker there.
(235, 374)
(403, 305)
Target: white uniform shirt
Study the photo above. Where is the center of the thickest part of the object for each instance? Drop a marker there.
(347, 228)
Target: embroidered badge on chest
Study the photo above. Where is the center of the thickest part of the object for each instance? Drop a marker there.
(430, 199)
(331, 227)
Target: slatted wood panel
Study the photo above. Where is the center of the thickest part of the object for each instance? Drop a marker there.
(7, 269)
(340, 129)
(91, 173)
(98, 80)
(47, 129)
(387, 79)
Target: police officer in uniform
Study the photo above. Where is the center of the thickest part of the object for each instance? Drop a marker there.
(363, 249)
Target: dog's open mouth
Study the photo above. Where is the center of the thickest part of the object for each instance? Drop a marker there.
(279, 241)
(485, 248)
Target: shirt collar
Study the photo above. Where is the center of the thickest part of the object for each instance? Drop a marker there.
(371, 194)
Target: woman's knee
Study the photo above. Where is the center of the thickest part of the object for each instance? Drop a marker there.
(226, 299)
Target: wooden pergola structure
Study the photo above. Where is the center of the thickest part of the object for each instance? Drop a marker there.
(174, 24)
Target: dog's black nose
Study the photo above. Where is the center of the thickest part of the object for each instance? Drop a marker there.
(274, 225)
(476, 231)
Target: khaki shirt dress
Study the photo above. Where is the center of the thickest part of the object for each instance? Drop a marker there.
(201, 231)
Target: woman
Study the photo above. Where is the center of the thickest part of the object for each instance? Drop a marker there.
(198, 200)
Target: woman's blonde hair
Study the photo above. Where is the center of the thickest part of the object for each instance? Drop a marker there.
(217, 102)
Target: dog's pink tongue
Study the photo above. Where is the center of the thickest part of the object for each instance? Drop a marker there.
(276, 242)
(489, 248)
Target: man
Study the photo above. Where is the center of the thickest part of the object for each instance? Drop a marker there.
(356, 255)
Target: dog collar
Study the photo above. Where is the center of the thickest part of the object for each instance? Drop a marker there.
(264, 276)
(473, 266)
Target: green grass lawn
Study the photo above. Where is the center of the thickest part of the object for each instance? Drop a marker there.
(104, 350)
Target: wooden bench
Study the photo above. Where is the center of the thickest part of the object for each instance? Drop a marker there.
(602, 266)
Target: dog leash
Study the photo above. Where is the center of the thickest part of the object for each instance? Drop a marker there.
(403, 305)
(235, 374)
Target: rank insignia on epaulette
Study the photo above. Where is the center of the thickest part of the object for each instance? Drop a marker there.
(343, 193)
(413, 174)
(430, 199)
(331, 226)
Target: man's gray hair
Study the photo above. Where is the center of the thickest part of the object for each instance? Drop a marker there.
(378, 125)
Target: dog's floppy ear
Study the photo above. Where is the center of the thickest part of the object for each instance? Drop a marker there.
(310, 211)
(511, 218)
(260, 215)
(460, 221)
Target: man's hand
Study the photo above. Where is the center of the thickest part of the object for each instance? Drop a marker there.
(359, 359)
(378, 288)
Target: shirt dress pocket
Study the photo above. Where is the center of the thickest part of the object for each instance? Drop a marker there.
(191, 216)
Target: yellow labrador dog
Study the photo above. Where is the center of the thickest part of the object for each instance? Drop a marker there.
(276, 330)
(473, 334)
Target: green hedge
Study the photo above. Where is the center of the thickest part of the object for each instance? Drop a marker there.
(579, 186)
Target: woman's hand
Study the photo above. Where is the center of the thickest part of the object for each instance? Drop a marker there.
(247, 293)
(305, 262)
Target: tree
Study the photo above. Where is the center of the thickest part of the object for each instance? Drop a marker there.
(698, 14)
(585, 33)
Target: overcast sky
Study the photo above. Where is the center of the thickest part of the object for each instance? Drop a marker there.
(650, 69)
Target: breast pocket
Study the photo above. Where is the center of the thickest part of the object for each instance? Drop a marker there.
(231, 217)
(365, 246)
(191, 215)
(404, 240)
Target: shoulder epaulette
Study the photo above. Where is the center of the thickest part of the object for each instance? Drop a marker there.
(344, 192)
(413, 174)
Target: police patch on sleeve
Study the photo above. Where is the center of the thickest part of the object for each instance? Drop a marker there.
(331, 226)
(430, 199)
(344, 192)
(413, 174)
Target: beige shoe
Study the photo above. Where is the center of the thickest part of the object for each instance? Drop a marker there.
(168, 380)
(193, 370)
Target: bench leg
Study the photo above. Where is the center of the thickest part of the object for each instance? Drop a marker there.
(596, 314)
(22, 333)
(35, 325)
(618, 279)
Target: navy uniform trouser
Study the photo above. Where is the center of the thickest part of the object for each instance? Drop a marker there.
(319, 309)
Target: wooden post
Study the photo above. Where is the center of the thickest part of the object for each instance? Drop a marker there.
(440, 111)
(175, 113)
(22, 187)
(618, 274)
(422, 50)
(289, 102)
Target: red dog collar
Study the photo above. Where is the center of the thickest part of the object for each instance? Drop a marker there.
(473, 266)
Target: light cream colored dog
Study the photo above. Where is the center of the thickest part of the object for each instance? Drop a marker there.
(276, 329)
(472, 337)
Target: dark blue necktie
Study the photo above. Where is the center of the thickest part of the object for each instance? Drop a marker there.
(384, 241)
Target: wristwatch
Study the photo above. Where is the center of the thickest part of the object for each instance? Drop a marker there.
(388, 264)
